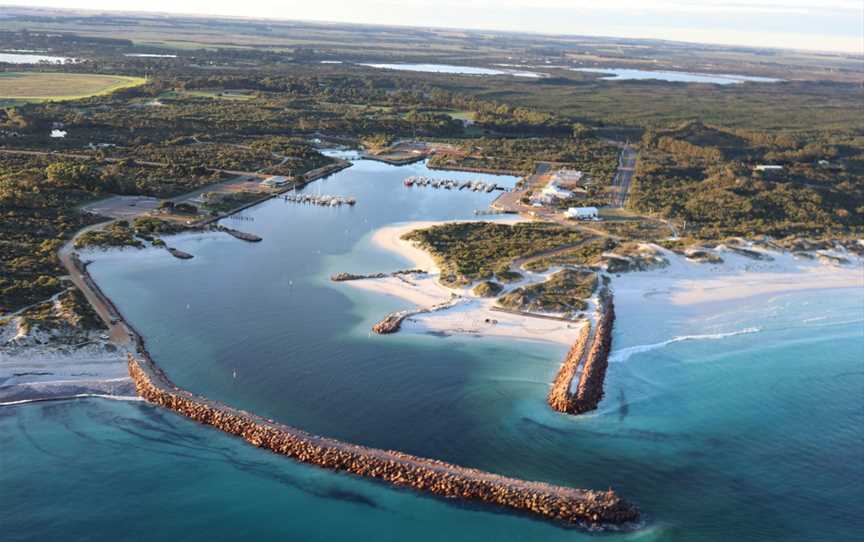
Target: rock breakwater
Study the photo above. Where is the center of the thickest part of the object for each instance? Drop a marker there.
(242, 235)
(393, 321)
(589, 390)
(563, 504)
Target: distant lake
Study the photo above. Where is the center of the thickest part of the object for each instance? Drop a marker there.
(449, 68)
(149, 55)
(616, 74)
(17, 58)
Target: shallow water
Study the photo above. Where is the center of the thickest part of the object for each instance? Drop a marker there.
(617, 74)
(731, 436)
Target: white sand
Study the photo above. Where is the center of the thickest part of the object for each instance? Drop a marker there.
(44, 366)
(683, 283)
(474, 317)
(686, 283)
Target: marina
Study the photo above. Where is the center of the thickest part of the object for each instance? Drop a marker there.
(322, 200)
(452, 184)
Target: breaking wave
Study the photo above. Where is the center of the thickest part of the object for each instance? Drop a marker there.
(625, 353)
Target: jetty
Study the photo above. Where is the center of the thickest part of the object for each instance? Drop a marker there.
(324, 201)
(451, 184)
(589, 363)
(557, 503)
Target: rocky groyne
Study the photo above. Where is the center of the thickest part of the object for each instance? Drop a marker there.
(177, 253)
(563, 504)
(242, 235)
(559, 397)
(589, 390)
(391, 323)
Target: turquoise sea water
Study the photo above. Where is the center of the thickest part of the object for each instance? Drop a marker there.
(749, 430)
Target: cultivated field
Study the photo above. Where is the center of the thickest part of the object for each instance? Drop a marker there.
(38, 87)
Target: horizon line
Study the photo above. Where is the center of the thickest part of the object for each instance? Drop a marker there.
(857, 53)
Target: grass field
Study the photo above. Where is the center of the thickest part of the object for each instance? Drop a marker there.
(40, 87)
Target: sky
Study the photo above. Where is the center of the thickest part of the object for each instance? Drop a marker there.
(820, 25)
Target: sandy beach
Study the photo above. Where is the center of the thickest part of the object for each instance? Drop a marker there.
(59, 363)
(685, 282)
(682, 282)
(473, 317)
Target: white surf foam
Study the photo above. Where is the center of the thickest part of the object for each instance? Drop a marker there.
(70, 397)
(625, 353)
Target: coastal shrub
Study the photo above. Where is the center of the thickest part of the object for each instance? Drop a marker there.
(564, 292)
(470, 251)
(487, 289)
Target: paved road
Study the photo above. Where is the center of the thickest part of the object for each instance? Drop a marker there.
(624, 175)
(117, 330)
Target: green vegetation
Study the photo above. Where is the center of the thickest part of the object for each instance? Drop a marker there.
(564, 292)
(221, 202)
(704, 177)
(116, 234)
(471, 251)
(69, 312)
(122, 234)
(237, 99)
(596, 159)
(586, 255)
(36, 217)
(37, 87)
(487, 288)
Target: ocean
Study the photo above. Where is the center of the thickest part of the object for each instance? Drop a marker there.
(736, 420)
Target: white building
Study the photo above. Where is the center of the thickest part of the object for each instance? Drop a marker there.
(766, 167)
(553, 191)
(276, 181)
(583, 213)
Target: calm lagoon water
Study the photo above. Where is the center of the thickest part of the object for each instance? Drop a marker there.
(448, 68)
(750, 437)
(616, 74)
(21, 58)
